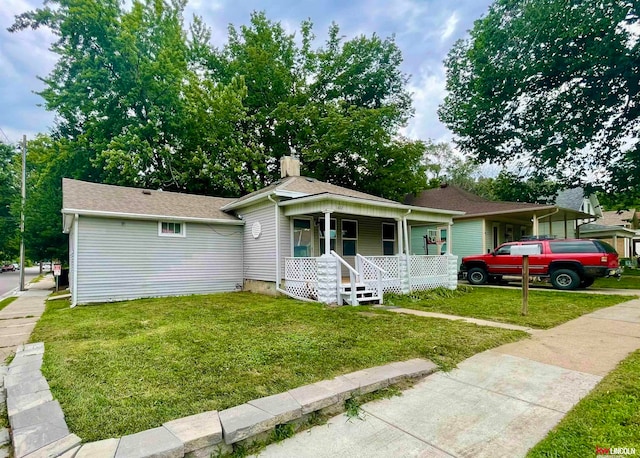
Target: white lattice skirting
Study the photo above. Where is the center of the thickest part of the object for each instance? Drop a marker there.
(301, 277)
(427, 272)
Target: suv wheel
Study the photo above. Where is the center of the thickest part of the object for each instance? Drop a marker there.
(477, 276)
(565, 279)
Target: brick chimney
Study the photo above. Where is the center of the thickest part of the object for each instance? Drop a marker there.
(289, 167)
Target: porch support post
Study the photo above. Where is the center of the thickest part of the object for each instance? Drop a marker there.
(400, 239)
(535, 225)
(449, 237)
(566, 236)
(327, 232)
(406, 235)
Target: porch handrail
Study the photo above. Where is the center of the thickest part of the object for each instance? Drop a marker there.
(353, 275)
(379, 273)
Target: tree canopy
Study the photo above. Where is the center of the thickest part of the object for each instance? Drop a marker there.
(141, 98)
(553, 85)
(144, 99)
(9, 195)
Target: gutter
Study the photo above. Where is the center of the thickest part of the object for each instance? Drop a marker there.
(145, 217)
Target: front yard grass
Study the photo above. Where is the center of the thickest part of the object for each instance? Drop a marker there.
(608, 417)
(625, 282)
(120, 368)
(546, 308)
(6, 301)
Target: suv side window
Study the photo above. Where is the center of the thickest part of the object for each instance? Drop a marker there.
(505, 249)
(574, 246)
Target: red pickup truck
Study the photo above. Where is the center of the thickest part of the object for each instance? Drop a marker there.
(567, 263)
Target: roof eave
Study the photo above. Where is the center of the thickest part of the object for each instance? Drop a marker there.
(149, 217)
(375, 203)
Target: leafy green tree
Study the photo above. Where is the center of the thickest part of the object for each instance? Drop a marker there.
(339, 106)
(9, 195)
(553, 85)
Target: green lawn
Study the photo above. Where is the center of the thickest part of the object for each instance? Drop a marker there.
(7, 301)
(546, 308)
(608, 417)
(124, 367)
(625, 282)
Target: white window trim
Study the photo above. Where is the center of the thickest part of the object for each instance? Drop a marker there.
(310, 219)
(394, 240)
(343, 238)
(183, 229)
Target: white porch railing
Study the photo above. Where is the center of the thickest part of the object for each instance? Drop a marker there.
(390, 265)
(384, 274)
(353, 279)
(301, 277)
(371, 275)
(428, 271)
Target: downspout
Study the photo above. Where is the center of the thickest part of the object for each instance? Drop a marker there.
(277, 234)
(76, 235)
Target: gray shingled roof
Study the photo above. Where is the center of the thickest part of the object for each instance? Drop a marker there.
(309, 186)
(454, 198)
(94, 197)
(570, 198)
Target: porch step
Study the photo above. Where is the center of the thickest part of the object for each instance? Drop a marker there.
(363, 295)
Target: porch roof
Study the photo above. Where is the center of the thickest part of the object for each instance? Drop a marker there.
(474, 206)
(601, 230)
(334, 203)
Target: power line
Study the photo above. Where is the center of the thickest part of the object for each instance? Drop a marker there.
(5, 136)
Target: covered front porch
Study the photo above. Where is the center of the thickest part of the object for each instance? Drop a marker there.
(353, 251)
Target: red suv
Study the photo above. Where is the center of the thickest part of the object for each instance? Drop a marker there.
(568, 264)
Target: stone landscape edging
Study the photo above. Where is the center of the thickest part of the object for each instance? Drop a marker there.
(39, 430)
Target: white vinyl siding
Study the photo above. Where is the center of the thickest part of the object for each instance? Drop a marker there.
(260, 253)
(125, 259)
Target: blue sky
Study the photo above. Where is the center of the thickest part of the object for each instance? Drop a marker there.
(425, 30)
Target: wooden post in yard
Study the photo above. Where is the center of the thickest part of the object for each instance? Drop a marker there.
(525, 285)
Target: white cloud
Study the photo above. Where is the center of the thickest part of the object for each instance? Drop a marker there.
(428, 89)
(450, 26)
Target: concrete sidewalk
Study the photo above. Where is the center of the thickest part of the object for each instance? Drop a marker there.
(497, 403)
(18, 319)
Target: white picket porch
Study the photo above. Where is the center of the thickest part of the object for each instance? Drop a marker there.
(320, 278)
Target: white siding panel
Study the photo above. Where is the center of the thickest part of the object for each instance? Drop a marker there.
(260, 253)
(126, 259)
(467, 238)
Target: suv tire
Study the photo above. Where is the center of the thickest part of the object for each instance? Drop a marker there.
(565, 279)
(477, 276)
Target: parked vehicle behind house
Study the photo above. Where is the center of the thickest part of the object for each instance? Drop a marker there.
(566, 263)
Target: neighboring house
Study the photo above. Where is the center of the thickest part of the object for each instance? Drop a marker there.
(299, 236)
(486, 224)
(618, 229)
(576, 199)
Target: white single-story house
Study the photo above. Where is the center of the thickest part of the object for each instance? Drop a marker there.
(299, 236)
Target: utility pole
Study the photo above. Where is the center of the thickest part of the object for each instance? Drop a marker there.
(24, 198)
